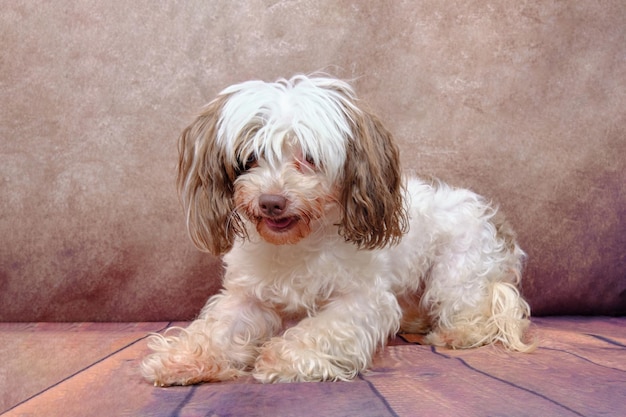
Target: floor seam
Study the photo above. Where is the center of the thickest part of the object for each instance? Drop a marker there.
(91, 365)
(504, 381)
(379, 395)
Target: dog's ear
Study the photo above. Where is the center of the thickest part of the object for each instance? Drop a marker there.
(371, 191)
(205, 183)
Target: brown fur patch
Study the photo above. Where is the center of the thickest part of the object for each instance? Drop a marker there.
(372, 198)
(205, 183)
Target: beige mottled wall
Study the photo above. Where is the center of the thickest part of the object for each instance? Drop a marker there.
(523, 101)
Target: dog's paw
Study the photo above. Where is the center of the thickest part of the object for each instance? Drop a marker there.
(162, 371)
(283, 360)
(177, 363)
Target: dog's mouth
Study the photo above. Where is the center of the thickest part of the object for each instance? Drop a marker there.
(279, 225)
(283, 230)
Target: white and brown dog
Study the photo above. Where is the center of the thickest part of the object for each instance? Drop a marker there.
(300, 189)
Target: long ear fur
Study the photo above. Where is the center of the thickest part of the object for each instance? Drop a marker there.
(374, 210)
(205, 183)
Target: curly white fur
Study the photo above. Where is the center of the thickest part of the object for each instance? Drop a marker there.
(301, 189)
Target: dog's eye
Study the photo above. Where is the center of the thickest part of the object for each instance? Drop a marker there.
(250, 162)
(306, 163)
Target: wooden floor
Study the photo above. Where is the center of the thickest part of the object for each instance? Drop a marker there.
(91, 369)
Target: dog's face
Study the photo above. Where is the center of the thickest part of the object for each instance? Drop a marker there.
(285, 159)
(286, 199)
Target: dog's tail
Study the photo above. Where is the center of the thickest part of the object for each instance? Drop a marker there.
(509, 318)
(504, 320)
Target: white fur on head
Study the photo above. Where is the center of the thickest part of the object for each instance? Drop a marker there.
(259, 116)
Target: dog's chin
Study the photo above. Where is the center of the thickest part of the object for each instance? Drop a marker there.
(282, 231)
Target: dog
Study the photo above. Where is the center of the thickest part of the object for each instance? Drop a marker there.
(329, 248)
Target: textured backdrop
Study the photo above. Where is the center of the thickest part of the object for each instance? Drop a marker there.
(522, 101)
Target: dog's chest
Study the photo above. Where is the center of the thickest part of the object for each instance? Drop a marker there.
(298, 281)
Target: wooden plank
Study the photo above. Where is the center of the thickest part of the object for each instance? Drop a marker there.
(39, 355)
(350, 399)
(416, 380)
(108, 387)
(114, 387)
(615, 326)
(580, 364)
(579, 369)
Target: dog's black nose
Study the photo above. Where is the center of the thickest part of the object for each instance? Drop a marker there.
(272, 205)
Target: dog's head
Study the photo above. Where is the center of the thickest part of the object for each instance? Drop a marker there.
(289, 158)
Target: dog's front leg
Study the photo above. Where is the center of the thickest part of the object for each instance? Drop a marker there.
(221, 344)
(335, 344)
